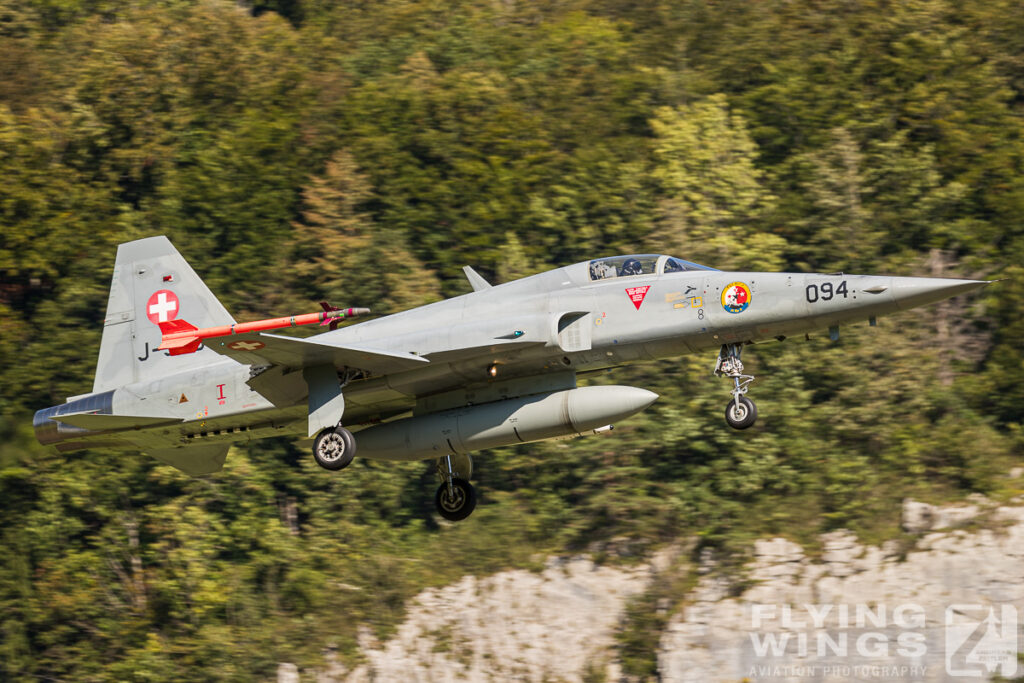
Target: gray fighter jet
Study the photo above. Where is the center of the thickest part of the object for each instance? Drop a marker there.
(178, 378)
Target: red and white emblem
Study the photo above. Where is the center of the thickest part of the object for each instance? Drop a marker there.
(637, 294)
(162, 306)
(246, 345)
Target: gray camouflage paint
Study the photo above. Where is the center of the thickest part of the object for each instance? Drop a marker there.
(425, 369)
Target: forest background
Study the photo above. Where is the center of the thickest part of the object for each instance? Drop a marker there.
(363, 152)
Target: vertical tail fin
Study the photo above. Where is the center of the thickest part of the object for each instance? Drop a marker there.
(152, 283)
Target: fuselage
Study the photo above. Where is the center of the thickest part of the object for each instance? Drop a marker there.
(521, 338)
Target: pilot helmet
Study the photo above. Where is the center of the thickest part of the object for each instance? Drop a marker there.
(632, 267)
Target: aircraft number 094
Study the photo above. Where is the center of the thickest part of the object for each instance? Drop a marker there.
(825, 291)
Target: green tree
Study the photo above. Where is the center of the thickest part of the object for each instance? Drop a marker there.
(341, 255)
(715, 195)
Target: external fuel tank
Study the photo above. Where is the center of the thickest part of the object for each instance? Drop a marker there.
(502, 423)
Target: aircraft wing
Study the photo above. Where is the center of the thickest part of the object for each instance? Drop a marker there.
(260, 348)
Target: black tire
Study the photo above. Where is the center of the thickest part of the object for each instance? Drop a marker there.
(741, 416)
(334, 448)
(461, 506)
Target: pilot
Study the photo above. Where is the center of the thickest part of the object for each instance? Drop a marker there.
(632, 267)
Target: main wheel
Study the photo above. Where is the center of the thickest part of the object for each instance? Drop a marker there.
(334, 448)
(458, 506)
(741, 416)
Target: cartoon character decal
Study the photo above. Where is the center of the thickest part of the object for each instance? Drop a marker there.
(736, 297)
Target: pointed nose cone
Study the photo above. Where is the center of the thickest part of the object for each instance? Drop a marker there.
(909, 292)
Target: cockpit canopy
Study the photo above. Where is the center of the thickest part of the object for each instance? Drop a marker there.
(639, 264)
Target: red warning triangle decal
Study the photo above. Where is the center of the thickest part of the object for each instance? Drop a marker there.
(637, 294)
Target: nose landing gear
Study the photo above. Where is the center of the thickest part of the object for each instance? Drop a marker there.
(741, 412)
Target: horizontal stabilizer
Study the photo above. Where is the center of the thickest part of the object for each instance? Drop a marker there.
(97, 422)
(260, 348)
(194, 460)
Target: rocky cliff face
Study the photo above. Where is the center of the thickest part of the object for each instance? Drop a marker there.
(554, 626)
(944, 611)
(941, 611)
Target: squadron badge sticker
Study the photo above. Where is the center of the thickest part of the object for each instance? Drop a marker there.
(637, 294)
(736, 297)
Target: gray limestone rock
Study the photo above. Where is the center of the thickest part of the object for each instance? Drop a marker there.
(920, 517)
(554, 626)
(287, 673)
(917, 517)
(861, 612)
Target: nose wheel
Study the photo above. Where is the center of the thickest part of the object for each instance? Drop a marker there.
(456, 497)
(741, 412)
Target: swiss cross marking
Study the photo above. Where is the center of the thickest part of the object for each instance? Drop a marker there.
(162, 306)
(246, 345)
(637, 294)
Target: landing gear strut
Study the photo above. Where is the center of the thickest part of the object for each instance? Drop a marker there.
(741, 412)
(334, 448)
(456, 497)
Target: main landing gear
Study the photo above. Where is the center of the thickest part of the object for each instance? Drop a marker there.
(741, 411)
(455, 498)
(334, 448)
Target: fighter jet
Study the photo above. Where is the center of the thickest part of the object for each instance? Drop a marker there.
(180, 379)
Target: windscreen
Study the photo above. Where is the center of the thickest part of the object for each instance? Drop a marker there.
(675, 265)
